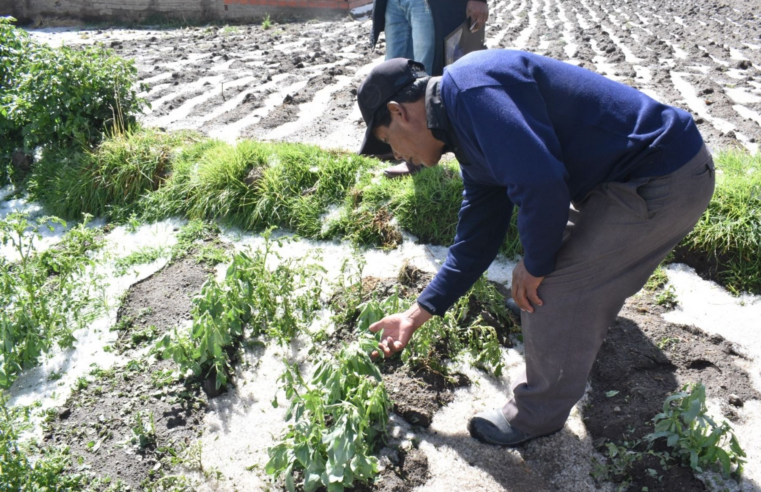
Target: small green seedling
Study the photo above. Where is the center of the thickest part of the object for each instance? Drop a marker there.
(693, 436)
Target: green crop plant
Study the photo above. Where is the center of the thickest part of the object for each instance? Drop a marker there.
(143, 430)
(61, 96)
(695, 438)
(338, 418)
(621, 462)
(23, 466)
(266, 23)
(109, 180)
(374, 310)
(277, 303)
(463, 328)
(43, 296)
(729, 232)
(667, 298)
(348, 290)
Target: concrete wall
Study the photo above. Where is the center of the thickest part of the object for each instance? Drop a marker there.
(184, 10)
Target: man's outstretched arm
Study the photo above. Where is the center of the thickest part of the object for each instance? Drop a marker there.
(483, 222)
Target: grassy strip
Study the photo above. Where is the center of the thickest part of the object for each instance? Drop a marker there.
(318, 194)
(729, 233)
(331, 195)
(255, 185)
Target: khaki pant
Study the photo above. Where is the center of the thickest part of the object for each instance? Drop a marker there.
(617, 237)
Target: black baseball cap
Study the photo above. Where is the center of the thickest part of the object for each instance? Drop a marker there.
(379, 86)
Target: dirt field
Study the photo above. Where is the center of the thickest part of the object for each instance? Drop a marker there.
(297, 82)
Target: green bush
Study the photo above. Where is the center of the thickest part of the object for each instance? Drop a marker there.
(729, 232)
(60, 95)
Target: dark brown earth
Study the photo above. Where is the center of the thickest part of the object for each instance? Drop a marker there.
(96, 421)
(161, 301)
(419, 394)
(407, 470)
(646, 359)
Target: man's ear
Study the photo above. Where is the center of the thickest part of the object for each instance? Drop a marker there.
(397, 110)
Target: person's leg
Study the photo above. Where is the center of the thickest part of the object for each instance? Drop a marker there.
(409, 34)
(423, 35)
(398, 31)
(623, 232)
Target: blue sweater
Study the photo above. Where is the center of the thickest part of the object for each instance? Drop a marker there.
(539, 133)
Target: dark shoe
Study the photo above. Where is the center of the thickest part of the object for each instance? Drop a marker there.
(491, 427)
(403, 169)
(513, 307)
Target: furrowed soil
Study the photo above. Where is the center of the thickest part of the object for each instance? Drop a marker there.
(644, 360)
(97, 421)
(297, 80)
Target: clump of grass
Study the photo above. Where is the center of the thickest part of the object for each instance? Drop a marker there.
(425, 205)
(255, 185)
(729, 232)
(109, 180)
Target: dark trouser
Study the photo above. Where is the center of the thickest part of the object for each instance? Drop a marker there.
(620, 234)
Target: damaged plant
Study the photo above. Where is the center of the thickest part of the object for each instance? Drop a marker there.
(693, 436)
(42, 296)
(463, 328)
(338, 419)
(277, 303)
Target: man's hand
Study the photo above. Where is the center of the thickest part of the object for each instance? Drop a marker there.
(398, 329)
(524, 288)
(478, 13)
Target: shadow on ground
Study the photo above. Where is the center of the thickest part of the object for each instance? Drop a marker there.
(643, 360)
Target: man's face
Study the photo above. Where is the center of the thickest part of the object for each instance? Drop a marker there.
(409, 136)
